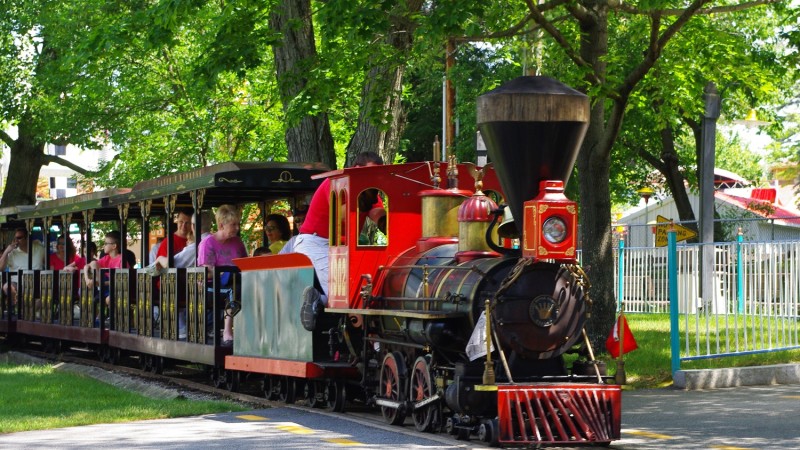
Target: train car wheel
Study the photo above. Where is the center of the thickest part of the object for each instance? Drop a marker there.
(272, 387)
(113, 356)
(287, 393)
(314, 393)
(157, 365)
(218, 377)
(422, 388)
(232, 380)
(391, 387)
(334, 396)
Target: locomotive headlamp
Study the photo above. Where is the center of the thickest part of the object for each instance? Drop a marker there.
(550, 224)
(554, 230)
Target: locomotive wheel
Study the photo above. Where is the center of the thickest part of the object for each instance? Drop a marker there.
(333, 394)
(421, 389)
(487, 432)
(286, 392)
(391, 387)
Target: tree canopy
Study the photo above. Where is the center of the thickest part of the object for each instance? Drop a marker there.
(170, 85)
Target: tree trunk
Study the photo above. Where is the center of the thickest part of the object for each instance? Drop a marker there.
(379, 137)
(310, 139)
(670, 168)
(26, 160)
(381, 118)
(595, 204)
(594, 167)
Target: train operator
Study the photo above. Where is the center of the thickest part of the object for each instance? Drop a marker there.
(313, 242)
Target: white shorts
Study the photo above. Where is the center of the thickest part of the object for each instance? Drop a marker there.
(316, 248)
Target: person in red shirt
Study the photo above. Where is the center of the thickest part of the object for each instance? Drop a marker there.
(111, 260)
(313, 242)
(183, 224)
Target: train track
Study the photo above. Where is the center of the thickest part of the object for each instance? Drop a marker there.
(194, 383)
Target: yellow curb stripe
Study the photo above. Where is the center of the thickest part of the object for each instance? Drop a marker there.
(251, 417)
(296, 429)
(795, 397)
(343, 442)
(728, 447)
(648, 434)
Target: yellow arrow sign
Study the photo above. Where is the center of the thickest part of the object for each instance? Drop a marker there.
(662, 228)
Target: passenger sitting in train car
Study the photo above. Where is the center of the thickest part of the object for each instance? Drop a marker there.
(261, 251)
(278, 232)
(183, 224)
(372, 216)
(313, 242)
(56, 260)
(188, 256)
(91, 252)
(220, 249)
(15, 258)
(111, 260)
(298, 217)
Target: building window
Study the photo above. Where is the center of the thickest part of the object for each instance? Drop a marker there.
(59, 150)
(72, 183)
(52, 182)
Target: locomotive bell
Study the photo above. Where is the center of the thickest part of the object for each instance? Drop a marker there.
(533, 128)
(507, 228)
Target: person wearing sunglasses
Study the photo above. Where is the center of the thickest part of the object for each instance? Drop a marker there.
(15, 258)
(278, 232)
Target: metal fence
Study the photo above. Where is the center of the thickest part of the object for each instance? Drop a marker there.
(754, 305)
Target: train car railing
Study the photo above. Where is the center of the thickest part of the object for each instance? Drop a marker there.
(124, 300)
(146, 292)
(47, 295)
(196, 305)
(89, 307)
(28, 295)
(173, 302)
(7, 309)
(209, 298)
(67, 297)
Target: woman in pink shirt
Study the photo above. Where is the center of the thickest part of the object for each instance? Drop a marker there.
(220, 249)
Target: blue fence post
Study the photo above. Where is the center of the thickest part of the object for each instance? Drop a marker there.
(621, 270)
(672, 274)
(739, 273)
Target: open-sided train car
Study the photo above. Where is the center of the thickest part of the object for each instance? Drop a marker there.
(56, 308)
(146, 308)
(436, 319)
(49, 301)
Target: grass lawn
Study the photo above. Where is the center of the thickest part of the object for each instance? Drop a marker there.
(37, 397)
(649, 365)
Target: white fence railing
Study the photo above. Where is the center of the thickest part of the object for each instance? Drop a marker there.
(754, 304)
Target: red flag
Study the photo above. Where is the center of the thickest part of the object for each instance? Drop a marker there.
(628, 342)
